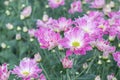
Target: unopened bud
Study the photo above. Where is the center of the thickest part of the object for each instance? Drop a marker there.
(18, 28)
(25, 29)
(9, 26)
(108, 61)
(45, 17)
(97, 78)
(37, 57)
(7, 12)
(85, 66)
(112, 4)
(99, 62)
(6, 3)
(3, 45)
(18, 36)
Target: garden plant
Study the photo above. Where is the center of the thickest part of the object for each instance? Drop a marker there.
(59, 39)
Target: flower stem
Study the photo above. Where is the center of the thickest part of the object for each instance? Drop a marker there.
(44, 71)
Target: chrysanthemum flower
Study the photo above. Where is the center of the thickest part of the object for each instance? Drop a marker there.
(98, 4)
(46, 24)
(114, 29)
(116, 57)
(76, 6)
(47, 38)
(56, 3)
(62, 24)
(76, 41)
(27, 69)
(105, 47)
(4, 73)
(87, 25)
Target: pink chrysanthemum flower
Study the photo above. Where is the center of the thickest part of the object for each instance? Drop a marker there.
(116, 57)
(62, 24)
(105, 47)
(98, 4)
(46, 24)
(87, 25)
(47, 38)
(97, 18)
(27, 69)
(4, 73)
(114, 21)
(67, 63)
(76, 41)
(115, 15)
(76, 6)
(56, 3)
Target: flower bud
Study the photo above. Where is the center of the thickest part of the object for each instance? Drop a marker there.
(45, 17)
(99, 62)
(112, 4)
(18, 28)
(111, 38)
(26, 12)
(9, 26)
(31, 39)
(107, 9)
(37, 57)
(7, 12)
(6, 3)
(25, 29)
(85, 66)
(97, 78)
(67, 63)
(3, 45)
(119, 45)
(108, 61)
(18, 36)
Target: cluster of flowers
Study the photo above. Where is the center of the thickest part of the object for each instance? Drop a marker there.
(75, 36)
(27, 70)
(76, 5)
(80, 35)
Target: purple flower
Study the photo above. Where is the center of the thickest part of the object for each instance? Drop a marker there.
(98, 3)
(56, 3)
(47, 38)
(76, 6)
(76, 41)
(62, 24)
(4, 73)
(27, 69)
(116, 57)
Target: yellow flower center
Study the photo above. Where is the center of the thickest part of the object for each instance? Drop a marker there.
(101, 26)
(75, 44)
(26, 73)
(86, 30)
(57, 0)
